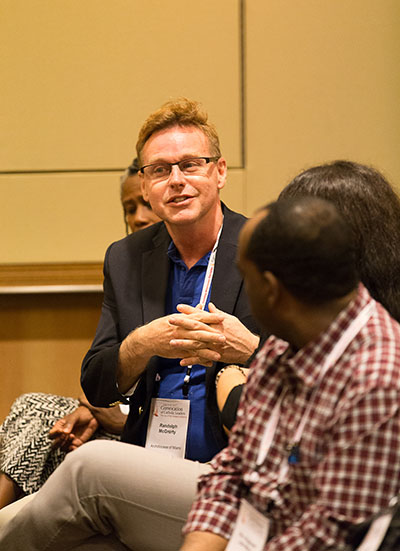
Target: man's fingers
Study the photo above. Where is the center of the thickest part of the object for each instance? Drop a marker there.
(194, 360)
(201, 315)
(186, 309)
(198, 340)
(213, 309)
(205, 357)
(192, 324)
(199, 356)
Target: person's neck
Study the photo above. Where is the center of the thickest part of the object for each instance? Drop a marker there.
(311, 321)
(195, 240)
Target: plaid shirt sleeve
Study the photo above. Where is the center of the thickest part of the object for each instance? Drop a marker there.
(356, 478)
(357, 475)
(219, 491)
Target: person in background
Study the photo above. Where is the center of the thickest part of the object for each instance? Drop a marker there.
(371, 207)
(41, 428)
(137, 212)
(316, 445)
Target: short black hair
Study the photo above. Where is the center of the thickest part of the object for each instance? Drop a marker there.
(308, 246)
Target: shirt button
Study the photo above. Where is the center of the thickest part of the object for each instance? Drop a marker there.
(254, 477)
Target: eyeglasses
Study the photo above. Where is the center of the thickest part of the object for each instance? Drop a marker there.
(195, 166)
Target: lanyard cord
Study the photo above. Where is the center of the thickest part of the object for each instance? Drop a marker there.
(203, 299)
(337, 351)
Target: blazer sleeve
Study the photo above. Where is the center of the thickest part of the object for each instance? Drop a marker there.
(98, 374)
(135, 280)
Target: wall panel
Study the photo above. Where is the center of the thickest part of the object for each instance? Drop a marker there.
(77, 82)
(43, 339)
(323, 82)
(80, 77)
(69, 217)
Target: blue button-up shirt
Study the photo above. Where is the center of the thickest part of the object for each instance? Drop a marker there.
(185, 287)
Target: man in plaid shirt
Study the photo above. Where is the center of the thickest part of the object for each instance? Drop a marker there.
(316, 445)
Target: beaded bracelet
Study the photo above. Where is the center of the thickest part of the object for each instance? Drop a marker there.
(242, 371)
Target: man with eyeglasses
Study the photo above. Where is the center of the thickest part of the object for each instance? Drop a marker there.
(175, 317)
(168, 269)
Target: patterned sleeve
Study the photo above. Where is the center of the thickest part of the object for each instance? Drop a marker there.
(356, 477)
(217, 503)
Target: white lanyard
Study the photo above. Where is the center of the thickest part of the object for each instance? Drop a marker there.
(209, 273)
(336, 352)
(203, 298)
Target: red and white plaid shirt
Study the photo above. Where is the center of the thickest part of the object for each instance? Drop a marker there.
(349, 465)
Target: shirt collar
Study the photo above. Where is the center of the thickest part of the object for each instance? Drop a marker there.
(306, 362)
(174, 255)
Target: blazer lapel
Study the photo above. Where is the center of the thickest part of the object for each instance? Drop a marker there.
(227, 280)
(155, 271)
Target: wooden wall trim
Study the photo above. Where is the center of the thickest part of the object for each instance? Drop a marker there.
(75, 274)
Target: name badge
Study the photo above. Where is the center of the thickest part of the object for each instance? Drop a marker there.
(251, 530)
(167, 428)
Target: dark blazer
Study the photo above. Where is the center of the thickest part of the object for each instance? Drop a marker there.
(136, 273)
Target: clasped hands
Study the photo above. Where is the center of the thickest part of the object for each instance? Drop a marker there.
(201, 337)
(193, 335)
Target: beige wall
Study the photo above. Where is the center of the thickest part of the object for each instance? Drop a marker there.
(320, 80)
(77, 82)
(323, 82)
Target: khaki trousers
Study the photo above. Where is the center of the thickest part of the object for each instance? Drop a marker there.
(107, 495)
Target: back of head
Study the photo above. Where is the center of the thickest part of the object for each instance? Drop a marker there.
(372, 209)
(179, 112)
(308, 246)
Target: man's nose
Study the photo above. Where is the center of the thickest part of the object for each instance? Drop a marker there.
(176, 176)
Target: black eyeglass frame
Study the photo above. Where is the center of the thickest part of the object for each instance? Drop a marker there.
(207, 159)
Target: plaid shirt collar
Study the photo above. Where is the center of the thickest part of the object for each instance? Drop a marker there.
(305, 364)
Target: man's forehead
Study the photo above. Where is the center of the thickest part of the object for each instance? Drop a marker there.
(177, 141)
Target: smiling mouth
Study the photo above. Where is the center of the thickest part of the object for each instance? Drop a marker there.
(179, 199)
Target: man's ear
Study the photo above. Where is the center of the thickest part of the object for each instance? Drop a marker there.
(143, 187)
(273, 288)
(222, 172)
